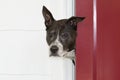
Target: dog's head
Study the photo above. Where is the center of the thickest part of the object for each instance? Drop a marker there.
(61, 34)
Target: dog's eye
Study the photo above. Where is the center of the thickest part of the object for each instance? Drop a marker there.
(65, 35)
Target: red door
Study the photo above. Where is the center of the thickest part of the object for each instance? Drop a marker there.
(103, 61)
(84, 42)
(108, 40)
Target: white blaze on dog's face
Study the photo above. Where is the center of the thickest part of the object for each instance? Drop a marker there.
(58, 46)
(61, 34)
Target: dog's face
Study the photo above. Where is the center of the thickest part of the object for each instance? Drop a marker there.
(61, 34)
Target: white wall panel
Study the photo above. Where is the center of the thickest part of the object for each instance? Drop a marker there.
(27, 14)
(24, 52)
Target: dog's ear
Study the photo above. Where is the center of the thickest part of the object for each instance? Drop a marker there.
(73, 21)
(47, 16)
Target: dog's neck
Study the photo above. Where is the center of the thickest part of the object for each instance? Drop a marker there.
(70, 54)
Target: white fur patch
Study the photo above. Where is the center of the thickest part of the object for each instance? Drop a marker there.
(70, 54)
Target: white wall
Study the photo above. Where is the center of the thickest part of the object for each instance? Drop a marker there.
(23, 48)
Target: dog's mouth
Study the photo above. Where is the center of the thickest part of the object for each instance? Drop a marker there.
(57, 54)
(54, 55)
(57, 51)
(65, 54)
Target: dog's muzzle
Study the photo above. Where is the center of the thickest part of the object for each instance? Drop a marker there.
(54, 49)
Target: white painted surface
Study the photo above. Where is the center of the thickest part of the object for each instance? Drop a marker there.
(23, 48)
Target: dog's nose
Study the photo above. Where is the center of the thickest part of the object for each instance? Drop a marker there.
(54, 49)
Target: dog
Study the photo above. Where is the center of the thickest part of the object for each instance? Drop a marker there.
(61, 35)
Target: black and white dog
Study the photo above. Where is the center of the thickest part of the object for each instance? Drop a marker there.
(61, 35)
